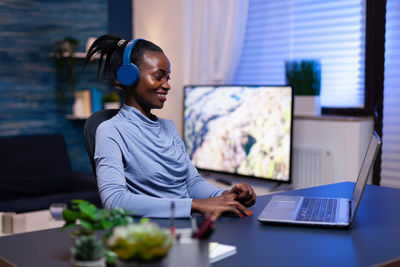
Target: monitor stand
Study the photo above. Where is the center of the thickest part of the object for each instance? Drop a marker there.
(261, 187)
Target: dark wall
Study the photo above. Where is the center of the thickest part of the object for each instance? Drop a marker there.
(120, 18)
(28, 30)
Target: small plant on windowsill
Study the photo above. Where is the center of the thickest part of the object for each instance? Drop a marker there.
(305, 76)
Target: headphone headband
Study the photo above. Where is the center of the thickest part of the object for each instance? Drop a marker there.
(128, 51)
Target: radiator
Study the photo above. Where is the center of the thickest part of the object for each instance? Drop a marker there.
(312, 167)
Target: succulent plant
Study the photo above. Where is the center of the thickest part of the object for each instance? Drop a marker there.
(87, 248)
(144, 241)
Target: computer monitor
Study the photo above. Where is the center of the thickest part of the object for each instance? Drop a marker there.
(240, 130)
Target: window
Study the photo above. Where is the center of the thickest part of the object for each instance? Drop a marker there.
(390, 168)
(330, 31)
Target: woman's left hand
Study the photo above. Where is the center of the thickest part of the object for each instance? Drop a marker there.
(244, 194)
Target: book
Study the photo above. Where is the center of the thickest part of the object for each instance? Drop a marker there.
(219, 251)
(82, 106)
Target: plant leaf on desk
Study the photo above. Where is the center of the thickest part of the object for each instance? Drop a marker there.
(78, 201)
(70, 215)
(86, 224)
(88, 209)
(100, 214)
(106, 224)
(68, 225)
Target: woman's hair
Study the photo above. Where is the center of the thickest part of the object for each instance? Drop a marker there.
(107, 46)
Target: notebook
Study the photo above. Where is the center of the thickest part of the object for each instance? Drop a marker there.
(322, 211)
(218, 251)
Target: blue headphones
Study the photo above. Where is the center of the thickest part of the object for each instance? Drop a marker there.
(128, 73)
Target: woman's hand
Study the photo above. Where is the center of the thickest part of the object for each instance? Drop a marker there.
(244, 194)
(215, 206)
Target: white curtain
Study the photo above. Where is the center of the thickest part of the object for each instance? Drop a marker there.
(213, 38)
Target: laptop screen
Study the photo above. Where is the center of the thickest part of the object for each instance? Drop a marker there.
(365, 170)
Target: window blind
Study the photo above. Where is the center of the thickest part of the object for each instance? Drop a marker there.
(332, 32)
(390, 167)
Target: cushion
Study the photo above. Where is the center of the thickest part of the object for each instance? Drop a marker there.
(33, 165)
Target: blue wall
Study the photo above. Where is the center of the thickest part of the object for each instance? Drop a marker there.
(28, 31)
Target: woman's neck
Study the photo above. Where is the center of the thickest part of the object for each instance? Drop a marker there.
(145, 112)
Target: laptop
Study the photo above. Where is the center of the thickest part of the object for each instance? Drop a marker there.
(322, 211)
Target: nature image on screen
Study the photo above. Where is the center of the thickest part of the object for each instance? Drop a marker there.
(244, 130)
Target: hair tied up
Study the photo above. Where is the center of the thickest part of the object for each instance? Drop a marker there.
(120, 42)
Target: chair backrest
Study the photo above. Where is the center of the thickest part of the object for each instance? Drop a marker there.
(89, 131)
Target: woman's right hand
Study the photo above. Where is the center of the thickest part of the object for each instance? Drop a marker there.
(225, 203)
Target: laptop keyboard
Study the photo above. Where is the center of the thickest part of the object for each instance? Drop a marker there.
(317, 209)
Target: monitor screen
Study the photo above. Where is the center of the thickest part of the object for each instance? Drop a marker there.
(241, 130)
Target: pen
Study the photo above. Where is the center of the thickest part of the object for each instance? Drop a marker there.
(171, 221)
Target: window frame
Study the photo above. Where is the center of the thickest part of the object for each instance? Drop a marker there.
(374, 75)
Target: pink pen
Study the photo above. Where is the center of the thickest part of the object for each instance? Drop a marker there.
(171, 220)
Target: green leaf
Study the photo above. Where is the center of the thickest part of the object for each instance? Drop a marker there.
(78, 201)
(68, 225)
(88, 209)
(70, 215)
(86, 224)
(111, 256)
(100, 214)
(106, 224)
(144, 220)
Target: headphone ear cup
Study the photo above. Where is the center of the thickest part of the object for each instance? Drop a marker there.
(128, 74)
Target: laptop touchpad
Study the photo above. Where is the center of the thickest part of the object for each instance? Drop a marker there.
(281, 208)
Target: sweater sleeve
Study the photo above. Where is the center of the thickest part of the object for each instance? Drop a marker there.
(112, 184)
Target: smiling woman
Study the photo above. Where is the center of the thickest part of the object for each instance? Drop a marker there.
(141, 162)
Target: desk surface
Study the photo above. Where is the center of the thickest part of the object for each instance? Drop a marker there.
(374, 238)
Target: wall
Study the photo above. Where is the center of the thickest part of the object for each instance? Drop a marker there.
(346, 140)
(28, 30)
(162, 23)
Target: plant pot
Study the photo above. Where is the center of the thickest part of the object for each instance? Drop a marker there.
(112, 105)
(305, 105)
(134, 263)
(93, 263)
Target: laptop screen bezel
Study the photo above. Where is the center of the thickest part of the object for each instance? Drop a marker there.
(365, 170)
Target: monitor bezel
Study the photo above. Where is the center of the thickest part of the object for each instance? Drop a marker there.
(257, 178)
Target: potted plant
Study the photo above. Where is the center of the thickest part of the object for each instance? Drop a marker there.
(87, 219)
(65, 66)
(305, 76)
(87, 251)
(140, 242)
(112, 100)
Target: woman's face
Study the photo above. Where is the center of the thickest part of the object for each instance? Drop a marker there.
(152, 88)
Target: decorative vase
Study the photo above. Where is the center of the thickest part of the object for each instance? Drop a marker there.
(305, 105)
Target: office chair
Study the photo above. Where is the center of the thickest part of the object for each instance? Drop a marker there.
(89, 131)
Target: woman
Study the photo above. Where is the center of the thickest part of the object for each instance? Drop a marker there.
(141, 162)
